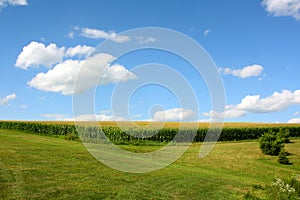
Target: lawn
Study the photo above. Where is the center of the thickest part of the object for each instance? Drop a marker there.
(43, 167)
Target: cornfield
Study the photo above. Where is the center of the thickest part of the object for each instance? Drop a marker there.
(230, 132)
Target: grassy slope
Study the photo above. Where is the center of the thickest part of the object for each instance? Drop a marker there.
(42, 167)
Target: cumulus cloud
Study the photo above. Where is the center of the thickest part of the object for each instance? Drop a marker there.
(100, 34)
(278, 101)
(85, 117)
(35, 54)
(79, 50)
(145, 40)
(14, 2)
(8, 98)
(4, 3)
(62, 77)
(92, 117)
(283, 8)
(230, 112)
(174, 114)
(294, 121)
(246, 72)
(54, 116)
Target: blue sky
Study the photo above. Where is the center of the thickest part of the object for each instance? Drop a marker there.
(254, 44)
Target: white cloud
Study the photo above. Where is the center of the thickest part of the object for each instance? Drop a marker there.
(230, 112)
(79, 50)
(76, 28)
(136, 116)
(90, 117)
(63, 76)
(5, 100)
(145, 40)
(15, 2)
(100, 34)
(246, 72)
(71, 34)
(4, 3)
(296, 113)
(23, 106)
(278, 101)
(283, 7)
(205, 33)
(54, 116)
(204, 120)
(35, 54)
(294, 121)
(174, 114)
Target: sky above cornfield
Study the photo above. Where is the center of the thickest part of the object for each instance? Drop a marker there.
(255, 46)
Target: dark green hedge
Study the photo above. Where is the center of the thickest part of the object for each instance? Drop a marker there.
(39, 128)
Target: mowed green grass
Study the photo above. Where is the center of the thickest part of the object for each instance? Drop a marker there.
(44, 167)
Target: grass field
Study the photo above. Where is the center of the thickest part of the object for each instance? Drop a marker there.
(43, 167)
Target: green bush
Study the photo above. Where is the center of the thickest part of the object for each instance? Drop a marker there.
(270, 144)
(282, 158)
(284, 134)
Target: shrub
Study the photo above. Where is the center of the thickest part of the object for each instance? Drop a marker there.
(270, 144)
(282, 158)
(281, 190)
(284, 134)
